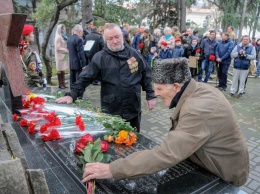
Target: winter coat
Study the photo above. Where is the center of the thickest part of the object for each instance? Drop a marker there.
(165, 54)
(136, 41)
(223, 51)
(97, 46)
(205, 129)
(243, 63)
(171, 41)
(190, 51)
(146, 49)
(208, 47)
(77, 57)
(61, 54)
(120, 88)
(177, 51)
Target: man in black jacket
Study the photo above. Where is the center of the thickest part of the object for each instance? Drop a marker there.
(93, 42)
(77, 57)
(123, 74)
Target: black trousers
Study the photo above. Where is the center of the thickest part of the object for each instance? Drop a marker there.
(135, 122)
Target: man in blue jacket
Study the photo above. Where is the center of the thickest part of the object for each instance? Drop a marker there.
(242, 53)
(223, 51)
(208, 47)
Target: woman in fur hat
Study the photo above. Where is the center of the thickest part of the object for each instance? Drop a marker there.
(31, 61)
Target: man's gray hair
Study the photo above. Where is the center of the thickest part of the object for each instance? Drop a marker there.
(111, 26)
(77, 28)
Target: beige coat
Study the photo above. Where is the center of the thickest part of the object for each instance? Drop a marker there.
(61, 54)
(204, 128)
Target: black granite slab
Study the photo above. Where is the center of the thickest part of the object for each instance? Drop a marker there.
(186, 177)
(63, 171)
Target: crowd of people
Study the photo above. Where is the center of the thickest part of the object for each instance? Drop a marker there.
(204, 126)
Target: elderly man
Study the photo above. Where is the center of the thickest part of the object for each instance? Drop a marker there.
(123, 74)
(204, 128)
(77, 57)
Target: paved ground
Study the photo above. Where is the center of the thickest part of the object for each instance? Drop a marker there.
(155, 123)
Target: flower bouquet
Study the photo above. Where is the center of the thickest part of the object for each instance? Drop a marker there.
(88, 151)
(120, 132)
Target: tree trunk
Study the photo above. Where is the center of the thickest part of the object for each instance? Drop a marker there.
(242, 20)
(36, 29)
(256, 20)
(53, 22)
(87, 12)
(84, 12)
(183, 16)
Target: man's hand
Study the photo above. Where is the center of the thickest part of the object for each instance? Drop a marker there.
(96, 171)
(241, 51)
(66, 99)
(151, 103)
(219, 60)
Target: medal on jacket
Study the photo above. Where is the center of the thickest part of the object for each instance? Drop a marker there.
(132, 64)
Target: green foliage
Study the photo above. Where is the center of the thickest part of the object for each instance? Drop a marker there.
(44, 12)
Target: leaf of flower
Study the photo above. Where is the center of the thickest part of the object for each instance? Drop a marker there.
(106, 158)
(99, 157)
(97, 144)
(107, 125)
(81, 159)
(95, 154)
(87, 154)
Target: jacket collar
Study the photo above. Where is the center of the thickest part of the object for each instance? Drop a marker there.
(190, 89)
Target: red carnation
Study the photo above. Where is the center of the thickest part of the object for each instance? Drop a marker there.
(44, 127)
(212, 57)
(55, 134)
(78, 119)
(86, 139)
(24, 123)
(26, 104)
(81, 125)
(198, 50)
(141, 45)
(104, 146)
(31, 128)
(15, 117)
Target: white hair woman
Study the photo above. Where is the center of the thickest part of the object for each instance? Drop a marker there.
(167, 37)
(61, 54)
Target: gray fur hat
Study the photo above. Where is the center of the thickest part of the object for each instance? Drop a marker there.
(169, 71)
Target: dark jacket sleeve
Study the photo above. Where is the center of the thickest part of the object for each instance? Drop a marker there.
(88, 74)
(146, 80)
(81, 54)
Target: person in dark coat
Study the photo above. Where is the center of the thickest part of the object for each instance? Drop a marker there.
(137, 37)
(89, 27)
(97, 46)
(208, 47)
(77, 57)
(123, 74)
(223, 52)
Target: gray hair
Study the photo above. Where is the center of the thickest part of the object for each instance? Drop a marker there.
(77, 28)
(167, 29)
(111, 26)
(157, 30)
